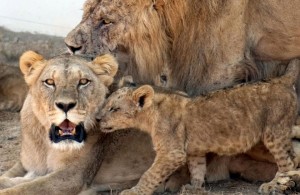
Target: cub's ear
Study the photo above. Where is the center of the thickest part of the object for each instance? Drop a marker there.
(106, 67)
(31, 66)
(143, 96)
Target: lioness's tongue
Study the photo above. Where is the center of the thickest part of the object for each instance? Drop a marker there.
(67, 125)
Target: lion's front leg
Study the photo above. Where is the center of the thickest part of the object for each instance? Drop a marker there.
(164, 165)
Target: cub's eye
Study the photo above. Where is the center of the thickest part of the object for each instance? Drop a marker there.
(113, 109)
(84, 82)
(49, 82)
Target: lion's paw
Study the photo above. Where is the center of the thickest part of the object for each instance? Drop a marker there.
(129, 192)
(281, 183)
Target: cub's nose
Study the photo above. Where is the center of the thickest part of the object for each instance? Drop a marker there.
(65, 106)
(73, 49)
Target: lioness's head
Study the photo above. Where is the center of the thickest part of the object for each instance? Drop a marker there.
(132, 30)
(126, 108)
(65, 93)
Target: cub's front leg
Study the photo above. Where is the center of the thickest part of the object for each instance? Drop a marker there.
(164, 165)
(197, 168)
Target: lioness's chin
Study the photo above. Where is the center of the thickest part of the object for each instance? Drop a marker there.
(68, 145)
(110, 129)
(68, 135)
(107, 129)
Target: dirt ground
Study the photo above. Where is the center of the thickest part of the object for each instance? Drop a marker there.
(12, 45)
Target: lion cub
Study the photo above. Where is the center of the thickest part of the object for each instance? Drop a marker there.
(225, 122)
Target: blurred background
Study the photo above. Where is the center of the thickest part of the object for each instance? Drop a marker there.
(36, 25)
(53, 17)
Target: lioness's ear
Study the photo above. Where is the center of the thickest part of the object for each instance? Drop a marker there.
(106, 67)
(143, 96)
(31, 66)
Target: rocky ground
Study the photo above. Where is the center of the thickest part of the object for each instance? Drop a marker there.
(12, 45)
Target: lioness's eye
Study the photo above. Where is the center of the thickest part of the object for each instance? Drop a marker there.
(84, 82)
(49, 82)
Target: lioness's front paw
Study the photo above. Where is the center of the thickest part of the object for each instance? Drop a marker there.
(129, 192)
(4, 183)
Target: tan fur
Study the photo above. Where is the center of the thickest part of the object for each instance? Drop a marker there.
(67, 166)
(13, 88)
(191, 41)
(225, 122)
(195, 46)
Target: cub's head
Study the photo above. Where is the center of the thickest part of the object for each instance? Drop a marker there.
(65, 93)
(125, 108)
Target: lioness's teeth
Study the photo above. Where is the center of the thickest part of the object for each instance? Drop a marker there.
(73, 131)
(60, 132)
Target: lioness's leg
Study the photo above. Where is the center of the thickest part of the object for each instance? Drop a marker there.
(8, 180)
(16, 171)
(164, 165)
(69, 179)
(64, 181)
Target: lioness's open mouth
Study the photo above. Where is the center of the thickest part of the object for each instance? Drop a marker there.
(67, 131)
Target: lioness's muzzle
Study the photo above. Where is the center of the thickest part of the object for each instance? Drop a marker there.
(58, 134)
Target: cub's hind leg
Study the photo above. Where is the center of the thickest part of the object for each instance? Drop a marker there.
(280, 146)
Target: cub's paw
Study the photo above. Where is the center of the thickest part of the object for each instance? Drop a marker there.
(281, 183)
(189, 189)
(129, 192)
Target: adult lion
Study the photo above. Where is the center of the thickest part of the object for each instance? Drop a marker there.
(13, 88)
(195, 46)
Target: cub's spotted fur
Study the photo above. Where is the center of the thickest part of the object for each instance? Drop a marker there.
(225, 122)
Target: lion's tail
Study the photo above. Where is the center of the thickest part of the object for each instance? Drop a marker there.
(291, 73)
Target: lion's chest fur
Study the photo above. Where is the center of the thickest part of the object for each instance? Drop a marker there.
(225, 122)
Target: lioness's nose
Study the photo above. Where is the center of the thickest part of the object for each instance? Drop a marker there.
(65, 106)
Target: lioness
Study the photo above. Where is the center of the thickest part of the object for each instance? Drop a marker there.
(225, 122)
(13, 88)
(59, 152)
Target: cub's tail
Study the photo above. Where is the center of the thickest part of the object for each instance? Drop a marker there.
(291, 73)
